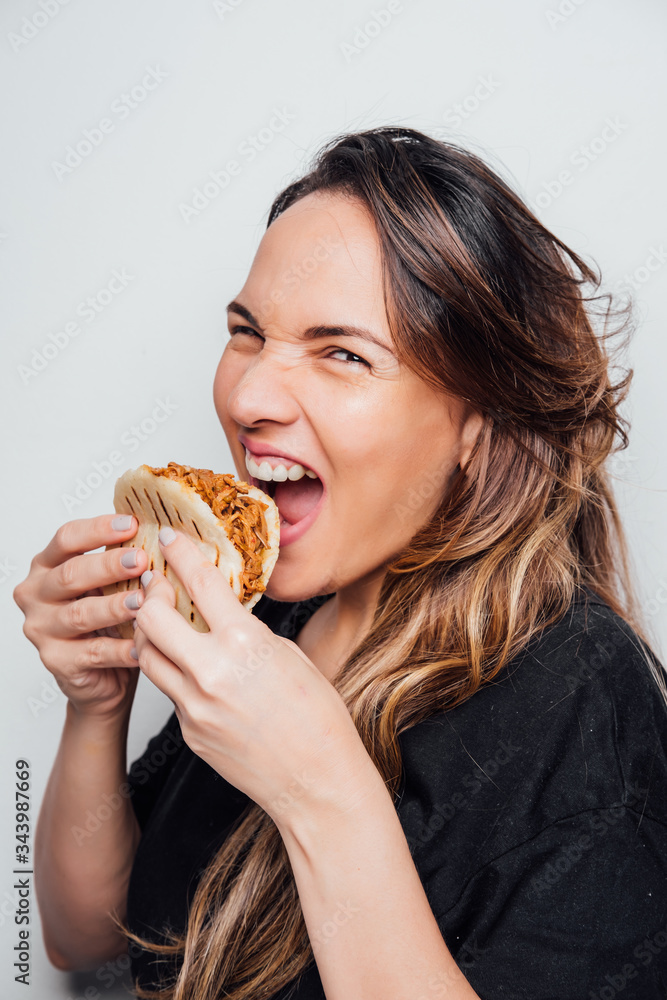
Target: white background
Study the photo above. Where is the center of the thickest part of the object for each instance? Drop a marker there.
(534, 87)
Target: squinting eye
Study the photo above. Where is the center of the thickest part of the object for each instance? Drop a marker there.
(357, 359)
(243, 329)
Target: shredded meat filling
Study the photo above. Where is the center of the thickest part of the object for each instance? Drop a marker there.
(242, 515)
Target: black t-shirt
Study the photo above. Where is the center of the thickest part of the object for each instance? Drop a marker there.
(536, 815)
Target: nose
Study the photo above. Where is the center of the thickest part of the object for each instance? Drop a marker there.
(266, 390)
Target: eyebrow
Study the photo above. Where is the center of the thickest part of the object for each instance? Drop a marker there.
(316, 332)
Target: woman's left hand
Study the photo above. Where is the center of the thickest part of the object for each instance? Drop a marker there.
(249, 703)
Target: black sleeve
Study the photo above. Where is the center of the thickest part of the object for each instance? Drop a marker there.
(148, 774)
(578, 912)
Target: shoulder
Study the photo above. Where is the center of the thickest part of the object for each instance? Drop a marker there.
(575, 723)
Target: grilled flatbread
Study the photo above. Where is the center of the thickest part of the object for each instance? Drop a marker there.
(236, 526)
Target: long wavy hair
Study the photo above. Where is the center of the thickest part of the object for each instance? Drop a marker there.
(486, 304)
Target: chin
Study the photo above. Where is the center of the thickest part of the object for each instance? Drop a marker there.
(281, 588)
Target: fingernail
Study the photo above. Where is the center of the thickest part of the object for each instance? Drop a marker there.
(132, 601)
(129, 559)
(134, 654)
(166, 535)
(146, 577)
(134, 624)
(122, 523)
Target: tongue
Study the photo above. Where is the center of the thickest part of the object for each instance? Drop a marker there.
(296, 499)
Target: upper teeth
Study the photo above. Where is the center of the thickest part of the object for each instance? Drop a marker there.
(278, 474)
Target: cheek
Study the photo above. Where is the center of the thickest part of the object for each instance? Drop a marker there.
(372, 450)
(401, 457)
(226, 377)
(354, 433)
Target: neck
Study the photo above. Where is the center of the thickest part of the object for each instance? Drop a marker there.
(351, 609)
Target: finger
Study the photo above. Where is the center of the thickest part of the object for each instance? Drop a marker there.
(89, 652)
(92, 571)
(86, 534)
(160, 587)
(91, 614)
(158, 668)
(110, 630)
(205, 584)
(161, 624)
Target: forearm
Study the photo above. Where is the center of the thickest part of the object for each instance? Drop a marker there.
(85, 843)
(372, 929)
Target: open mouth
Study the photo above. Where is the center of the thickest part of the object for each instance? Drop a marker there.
(294, 500)
(298, 499)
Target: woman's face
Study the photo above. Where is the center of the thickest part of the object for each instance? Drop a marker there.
(297, 385)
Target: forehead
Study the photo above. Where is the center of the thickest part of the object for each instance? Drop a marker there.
(321, 255)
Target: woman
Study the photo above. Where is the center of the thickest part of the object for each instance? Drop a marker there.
(434, 759)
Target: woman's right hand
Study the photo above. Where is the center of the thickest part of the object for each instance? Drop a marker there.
(64, 607)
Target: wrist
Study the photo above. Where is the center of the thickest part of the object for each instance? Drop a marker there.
(101, 728)
(315, 812)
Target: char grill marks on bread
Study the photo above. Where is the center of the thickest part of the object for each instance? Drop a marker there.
(241, 514)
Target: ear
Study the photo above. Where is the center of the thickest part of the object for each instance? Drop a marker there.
(472, 423)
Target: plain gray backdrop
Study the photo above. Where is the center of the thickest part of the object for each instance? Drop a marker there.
(123, 235)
